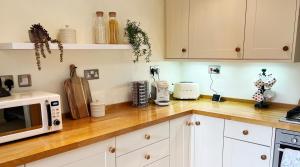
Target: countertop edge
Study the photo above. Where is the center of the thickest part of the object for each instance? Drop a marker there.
(69, 147)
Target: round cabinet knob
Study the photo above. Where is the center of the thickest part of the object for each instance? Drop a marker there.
(183, 50)
(286, 48)
(198, 123)
(238, 49)
(189, 123)
(147, 156)
(245, 132)
(294, 140)
(263, 157)
(56, 122)
(147, 137)
(112, 150)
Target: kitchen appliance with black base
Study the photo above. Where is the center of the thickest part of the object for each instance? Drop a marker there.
(284, 139)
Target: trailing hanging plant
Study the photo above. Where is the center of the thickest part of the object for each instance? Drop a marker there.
(138, 40)
(40, 37)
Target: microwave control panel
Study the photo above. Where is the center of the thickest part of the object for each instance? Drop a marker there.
(54, 115)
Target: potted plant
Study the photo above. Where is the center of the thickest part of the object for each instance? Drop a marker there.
(139, 41)
(40, 37)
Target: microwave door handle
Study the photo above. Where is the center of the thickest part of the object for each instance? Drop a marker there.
(49, 115)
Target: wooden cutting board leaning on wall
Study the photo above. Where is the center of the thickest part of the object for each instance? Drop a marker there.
(78, 94)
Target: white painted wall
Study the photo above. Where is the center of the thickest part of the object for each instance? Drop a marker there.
(116, 67)
(237, 79)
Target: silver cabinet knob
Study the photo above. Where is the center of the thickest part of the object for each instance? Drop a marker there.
(294, 140)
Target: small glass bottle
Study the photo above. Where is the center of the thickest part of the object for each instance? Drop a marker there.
(113, 28)
(100, 29)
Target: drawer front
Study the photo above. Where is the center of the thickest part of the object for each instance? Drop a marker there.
(145, 156)
(249, 132)
(165, 162)
(141, 138)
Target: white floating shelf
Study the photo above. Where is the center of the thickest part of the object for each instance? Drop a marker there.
(30, 46)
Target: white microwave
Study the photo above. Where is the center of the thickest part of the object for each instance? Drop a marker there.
(29, 114)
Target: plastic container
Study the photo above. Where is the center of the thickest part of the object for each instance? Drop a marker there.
(100, 28)
(67, 35)
(97, 109)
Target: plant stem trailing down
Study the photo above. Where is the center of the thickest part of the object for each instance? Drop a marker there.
(40, 37)
(138, 40)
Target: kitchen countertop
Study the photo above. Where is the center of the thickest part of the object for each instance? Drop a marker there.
(122, 119)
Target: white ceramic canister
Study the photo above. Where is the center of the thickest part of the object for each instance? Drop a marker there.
(67, 35)
(97, 109)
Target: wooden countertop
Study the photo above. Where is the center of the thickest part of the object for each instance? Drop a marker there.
(122, 119)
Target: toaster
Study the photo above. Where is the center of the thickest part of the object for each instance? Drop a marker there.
(186, 90)
(160, 93)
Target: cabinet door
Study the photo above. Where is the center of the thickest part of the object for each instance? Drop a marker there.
(243, 154)
(216, 29)
(208, 141)
(94, 155)
(177, 21)
(270, 29)
(180, 136)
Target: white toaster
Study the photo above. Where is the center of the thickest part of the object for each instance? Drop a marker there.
(186, 90)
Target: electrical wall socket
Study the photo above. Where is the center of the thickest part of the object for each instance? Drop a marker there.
(154, 70)
(5, 77)
(91, 74)
(214, 69)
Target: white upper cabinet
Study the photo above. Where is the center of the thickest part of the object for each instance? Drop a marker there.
(216, 29)
(270, 29)
(177, 22)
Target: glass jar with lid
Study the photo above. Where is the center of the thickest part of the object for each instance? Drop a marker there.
(100, 28)
(113, 28)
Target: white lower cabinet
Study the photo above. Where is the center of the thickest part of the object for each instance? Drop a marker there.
(243, 154)
(94, 155)
(189, 141)
(180, 142)
(207, 141)
(144, 156)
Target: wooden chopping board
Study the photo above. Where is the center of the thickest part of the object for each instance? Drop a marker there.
(78, 94)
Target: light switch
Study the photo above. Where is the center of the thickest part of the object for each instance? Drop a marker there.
(24, 80)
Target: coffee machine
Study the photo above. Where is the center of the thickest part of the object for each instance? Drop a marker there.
(160, 93)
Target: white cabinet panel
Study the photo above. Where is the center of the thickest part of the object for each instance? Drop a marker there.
(180, 142)
(270, 26)
(145, 156)
(243, 154)
(161, 163)
(141, 138)
(208, 141)
(177, 22)
(94, 155)
(249, 132)
(216, 29)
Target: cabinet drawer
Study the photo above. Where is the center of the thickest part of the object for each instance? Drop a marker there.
(249, 132)
(165, 162)
(145, 156)
(93, 155)
(141, 138)
(243, 154)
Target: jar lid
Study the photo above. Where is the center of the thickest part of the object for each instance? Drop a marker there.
(99, 13)
(112, 14)
(67, 29)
